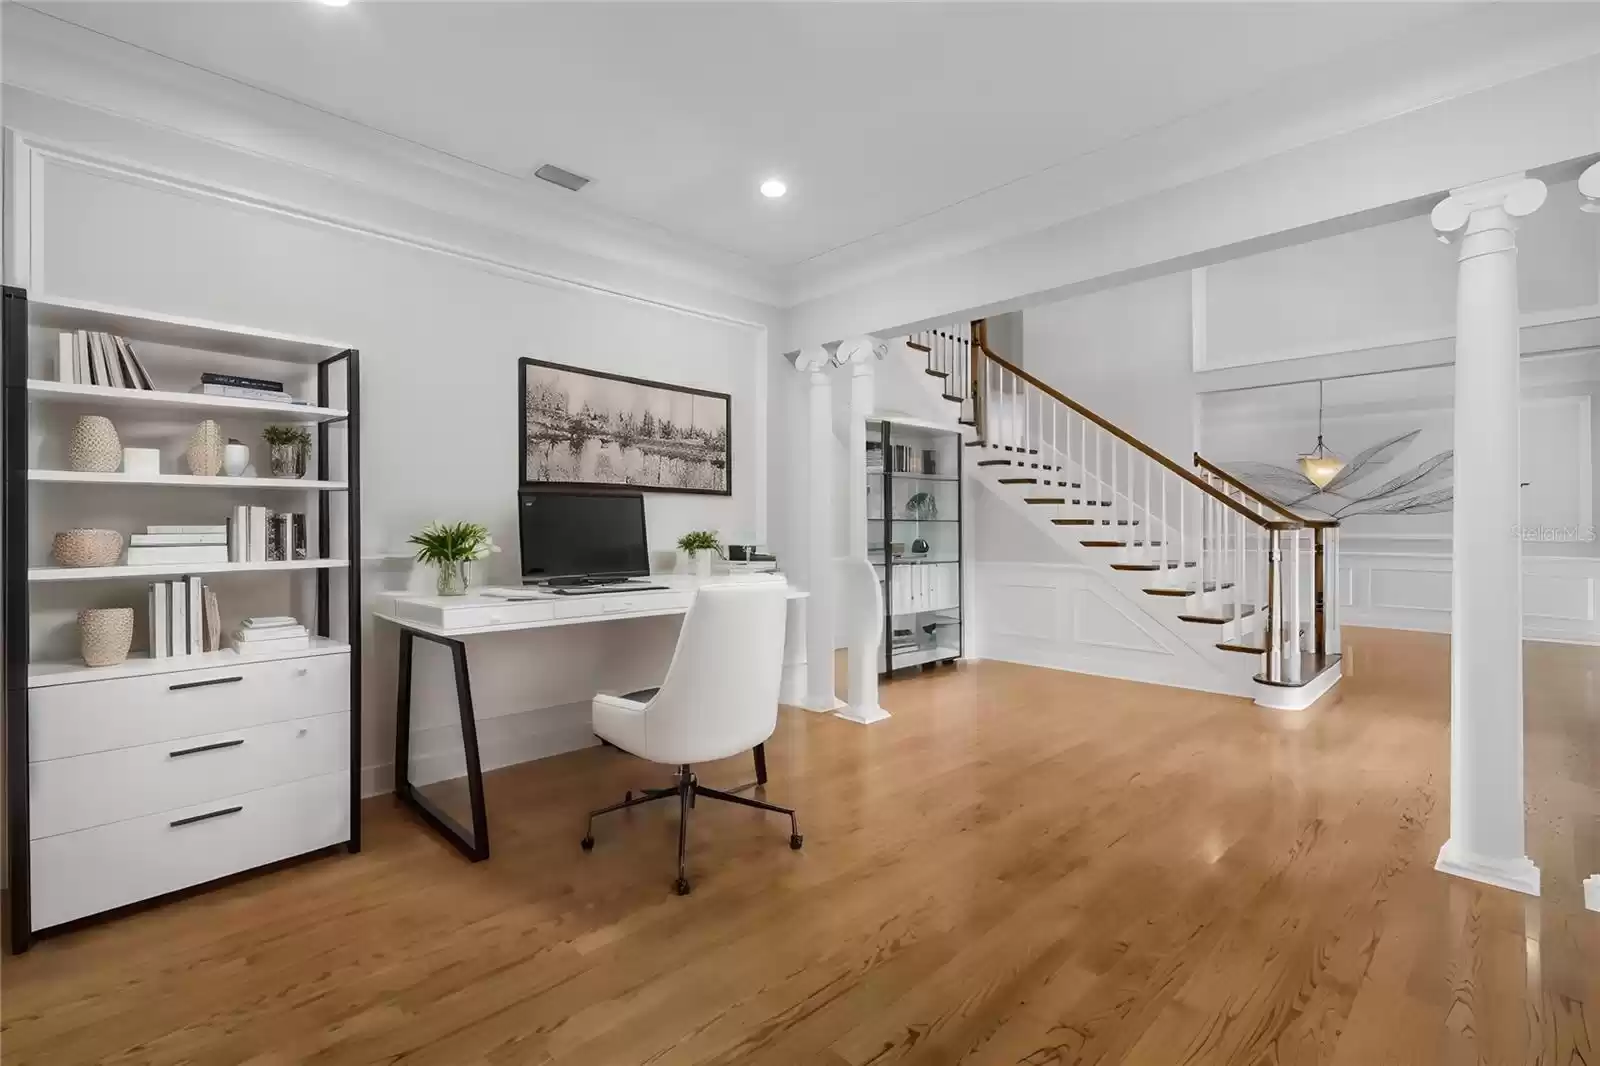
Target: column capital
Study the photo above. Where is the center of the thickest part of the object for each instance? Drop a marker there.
(811, 360)
(1516, 194)
(1589, 189)
(860, 351)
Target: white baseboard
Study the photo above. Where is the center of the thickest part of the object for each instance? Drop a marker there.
(504, 740)
(1519, 875)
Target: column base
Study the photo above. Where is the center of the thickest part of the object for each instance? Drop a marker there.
(1519, 875)
(1591, 893)
(792, 688)
(826, 706)
(862, 715)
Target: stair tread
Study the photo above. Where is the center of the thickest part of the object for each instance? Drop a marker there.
(1044, 499)
(966, 421)
(1187, 590)
(955, 399)
(1025, 451)
(976, 443)
(1073, 521)
(1019, 481)
(994, 462)
(914, 346)
(1118, 543)
(937, 373)
(1219, 617)
(1135, 566)
(1248, 649)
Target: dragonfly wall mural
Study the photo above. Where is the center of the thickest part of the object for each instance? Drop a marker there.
(1427, 488)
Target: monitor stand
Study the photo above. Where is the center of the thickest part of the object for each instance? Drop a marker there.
(585, 580)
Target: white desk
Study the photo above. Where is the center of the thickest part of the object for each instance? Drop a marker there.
(449, 620)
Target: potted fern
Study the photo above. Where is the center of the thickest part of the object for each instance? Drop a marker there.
(451, 547)
(697, 548)
(287, 447)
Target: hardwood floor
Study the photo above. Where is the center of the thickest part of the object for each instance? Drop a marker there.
(1022, 866)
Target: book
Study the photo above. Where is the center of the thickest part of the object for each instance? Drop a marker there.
(197, 553)
(253, 636)
(239, 534)
(258, 535)
(97, 361)
(113, 361)
(140, 374)
(241, 382)
(177, 540)
(160, 621)
(192, 586)
(253, 647)
(80, 356)
(236, 393)
(269, 622)
(122, 370)
(213, 620)
(66, 360)
(179, 600)
(186, 529)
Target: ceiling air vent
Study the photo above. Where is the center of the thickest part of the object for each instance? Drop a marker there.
(564, 178)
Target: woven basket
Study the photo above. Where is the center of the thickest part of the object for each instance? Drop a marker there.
(107, 634)
(88, 547)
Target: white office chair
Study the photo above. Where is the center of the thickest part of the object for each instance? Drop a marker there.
(720, 698)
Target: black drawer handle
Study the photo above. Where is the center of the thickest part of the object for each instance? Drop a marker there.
(193, 818)
(206, 747)
(203, 684)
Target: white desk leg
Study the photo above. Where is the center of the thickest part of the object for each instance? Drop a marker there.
(792, 690)
(1591, 893)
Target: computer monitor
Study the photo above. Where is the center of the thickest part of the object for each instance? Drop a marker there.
(572, 537)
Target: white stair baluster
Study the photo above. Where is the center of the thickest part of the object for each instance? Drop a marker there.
(1166, 531)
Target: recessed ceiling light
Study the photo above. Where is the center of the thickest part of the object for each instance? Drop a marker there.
(333, 3)
(772, 188)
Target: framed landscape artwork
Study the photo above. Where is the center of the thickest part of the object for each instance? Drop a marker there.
(585, 428)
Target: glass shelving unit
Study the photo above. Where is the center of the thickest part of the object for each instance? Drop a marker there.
(914, 541)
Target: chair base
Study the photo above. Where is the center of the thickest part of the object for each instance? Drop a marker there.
(688, 789)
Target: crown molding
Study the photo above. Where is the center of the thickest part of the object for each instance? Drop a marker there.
(55, 59)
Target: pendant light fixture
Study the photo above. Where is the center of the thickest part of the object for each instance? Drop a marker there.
(1319, 465)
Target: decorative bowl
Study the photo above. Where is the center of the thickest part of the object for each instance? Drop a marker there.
(88, 547)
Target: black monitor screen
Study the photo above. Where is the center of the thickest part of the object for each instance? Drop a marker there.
(582, 534)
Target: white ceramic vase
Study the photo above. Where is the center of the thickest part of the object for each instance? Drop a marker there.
(95, 446)
(702, 564)
(235, 459)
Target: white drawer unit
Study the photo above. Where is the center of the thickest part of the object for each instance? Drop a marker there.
(78, 874)
(84, 791)
(602, 604)
(67, 720)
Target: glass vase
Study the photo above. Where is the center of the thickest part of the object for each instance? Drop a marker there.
(287, 460)
(452, 580)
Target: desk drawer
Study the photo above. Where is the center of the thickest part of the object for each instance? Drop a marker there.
(616, 603)
(125, 712)
(110, 786)
(94, 870)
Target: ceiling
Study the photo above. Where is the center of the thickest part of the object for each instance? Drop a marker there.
(881, 117)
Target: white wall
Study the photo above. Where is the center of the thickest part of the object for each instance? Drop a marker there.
(440, 332)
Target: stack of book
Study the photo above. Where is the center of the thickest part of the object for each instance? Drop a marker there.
(259, 636)
(87, 358)
(243, 388)
(257, 535)
(183, 618)
(165, 545)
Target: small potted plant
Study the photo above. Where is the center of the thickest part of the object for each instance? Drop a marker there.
(288, 447)
(450, 547)
(698, 546)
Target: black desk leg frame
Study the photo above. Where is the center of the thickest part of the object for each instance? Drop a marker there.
(475, 845)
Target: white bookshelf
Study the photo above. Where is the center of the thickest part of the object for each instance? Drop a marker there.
(139, 664)
(73, 720)
(105, 397)
(99, 573)
(192, 481)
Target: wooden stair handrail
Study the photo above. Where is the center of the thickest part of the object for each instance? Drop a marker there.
(1135, 442)
(1311, 523)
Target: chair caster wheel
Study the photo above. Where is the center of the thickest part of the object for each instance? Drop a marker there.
(795, 840)
(587, 843)
(681, 886)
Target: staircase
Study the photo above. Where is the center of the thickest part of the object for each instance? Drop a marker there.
(1239, 579)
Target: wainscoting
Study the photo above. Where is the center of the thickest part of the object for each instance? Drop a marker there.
(1067, 617)
(1411, 590)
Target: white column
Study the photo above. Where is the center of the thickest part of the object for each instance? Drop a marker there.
(814, 362)
(861, 598)
(1487, 822)
(1589, 186)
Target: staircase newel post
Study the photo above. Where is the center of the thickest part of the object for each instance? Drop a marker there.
(980, 402)
(1274, 606)
(1319, 593)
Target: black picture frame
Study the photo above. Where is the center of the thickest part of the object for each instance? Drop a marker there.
(525, 473)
